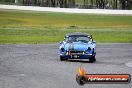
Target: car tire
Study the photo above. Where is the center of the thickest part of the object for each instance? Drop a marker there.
(62, 58)
(92, 59)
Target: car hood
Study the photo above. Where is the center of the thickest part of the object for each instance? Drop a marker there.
(79, 46)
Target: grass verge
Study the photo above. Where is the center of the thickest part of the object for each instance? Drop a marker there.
(10, 36)
(38, 27)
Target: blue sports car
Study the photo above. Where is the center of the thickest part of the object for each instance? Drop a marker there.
(78, 46)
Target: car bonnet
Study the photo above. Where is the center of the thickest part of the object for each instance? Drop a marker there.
(79, 46)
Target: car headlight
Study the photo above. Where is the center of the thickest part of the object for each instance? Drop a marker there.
(62, 49)
(89, 48)
(83, 52)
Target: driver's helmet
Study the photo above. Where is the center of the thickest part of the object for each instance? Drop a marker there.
(74, 39)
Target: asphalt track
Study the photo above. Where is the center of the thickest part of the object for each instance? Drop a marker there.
(38, 66)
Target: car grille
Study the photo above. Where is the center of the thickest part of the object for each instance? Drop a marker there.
(75, 52)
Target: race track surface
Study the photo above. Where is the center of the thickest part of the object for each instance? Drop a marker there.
(68, 10)
(38, 66)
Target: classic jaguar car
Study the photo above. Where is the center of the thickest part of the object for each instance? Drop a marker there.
(78, 46)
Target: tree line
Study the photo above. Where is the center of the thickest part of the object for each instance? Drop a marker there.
(102, 4)
(51, 3)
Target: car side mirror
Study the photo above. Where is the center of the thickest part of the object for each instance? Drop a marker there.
(91, 40)
(61, 42)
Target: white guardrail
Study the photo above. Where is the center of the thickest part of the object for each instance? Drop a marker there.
(68, 10)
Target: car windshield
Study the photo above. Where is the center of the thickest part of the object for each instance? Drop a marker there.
(78, 38)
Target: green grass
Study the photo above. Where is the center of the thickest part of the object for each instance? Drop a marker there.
(43, 27)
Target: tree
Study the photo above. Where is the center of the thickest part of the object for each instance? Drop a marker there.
(16, 1)
(122, 3)
(116, 4)
(85, 3)
(128, 4)
(61, 2)
(97, 3)
(91, 3)
(53, 2)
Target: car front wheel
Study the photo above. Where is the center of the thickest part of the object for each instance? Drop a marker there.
(92, 59)
(62, 58)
